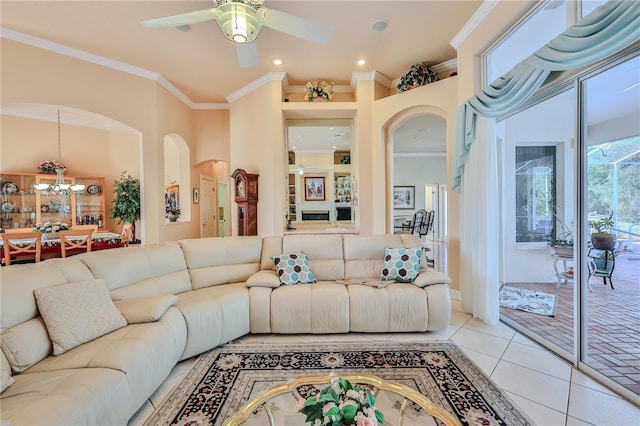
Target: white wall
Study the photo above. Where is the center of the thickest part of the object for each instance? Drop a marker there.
(418, 171)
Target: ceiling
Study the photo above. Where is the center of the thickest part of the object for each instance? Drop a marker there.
(203, 64)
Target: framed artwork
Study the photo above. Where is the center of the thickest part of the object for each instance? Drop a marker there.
(314, 189)
(404, 197)
(196, 195)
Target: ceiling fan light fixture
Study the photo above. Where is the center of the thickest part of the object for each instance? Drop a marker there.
(239, 22)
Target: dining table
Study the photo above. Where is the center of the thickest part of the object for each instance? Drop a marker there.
(51, 247)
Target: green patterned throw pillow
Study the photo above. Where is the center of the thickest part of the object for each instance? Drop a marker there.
(293, 268)
(401, 264)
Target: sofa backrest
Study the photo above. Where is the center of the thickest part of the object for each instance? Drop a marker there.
(24, 339)
(324, 252)
(140, 271)
(214, 261)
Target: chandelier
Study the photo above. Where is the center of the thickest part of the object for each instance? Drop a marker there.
(59, 188)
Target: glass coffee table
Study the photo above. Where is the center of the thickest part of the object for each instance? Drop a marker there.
(400, 404)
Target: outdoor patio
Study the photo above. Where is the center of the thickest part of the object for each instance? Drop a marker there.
(613, 321)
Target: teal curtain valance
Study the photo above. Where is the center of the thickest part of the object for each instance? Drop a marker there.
(605, 31)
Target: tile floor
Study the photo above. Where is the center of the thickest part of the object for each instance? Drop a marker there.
(613, 327)
(545, 387)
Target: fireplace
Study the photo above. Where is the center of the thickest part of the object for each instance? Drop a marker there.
(315, 215)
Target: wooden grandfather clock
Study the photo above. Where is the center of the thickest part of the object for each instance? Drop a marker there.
(246, 197)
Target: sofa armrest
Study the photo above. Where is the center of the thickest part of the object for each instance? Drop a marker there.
(429, 277)
(145, 309)
(264, 278)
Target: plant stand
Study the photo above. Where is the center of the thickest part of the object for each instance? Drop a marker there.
(601, 264)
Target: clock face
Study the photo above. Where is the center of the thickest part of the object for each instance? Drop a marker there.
(240, 190)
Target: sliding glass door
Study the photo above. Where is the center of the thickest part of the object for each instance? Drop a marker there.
(571, 221)
(610, 338)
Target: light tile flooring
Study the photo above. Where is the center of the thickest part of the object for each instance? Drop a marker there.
(544, 386)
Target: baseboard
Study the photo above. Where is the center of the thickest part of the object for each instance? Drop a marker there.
(455, 294)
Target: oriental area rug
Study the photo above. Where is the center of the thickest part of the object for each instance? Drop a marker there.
(535, 302)
(223, 379)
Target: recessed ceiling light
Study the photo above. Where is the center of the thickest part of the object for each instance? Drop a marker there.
(378, 26)
(361, 62)
(184, 28)
(277, 62)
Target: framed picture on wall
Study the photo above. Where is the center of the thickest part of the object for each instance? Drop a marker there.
(404, 197)
(314, 189)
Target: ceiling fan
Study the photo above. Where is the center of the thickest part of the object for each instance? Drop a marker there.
(241, 21)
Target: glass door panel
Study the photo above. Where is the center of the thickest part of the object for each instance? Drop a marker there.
(611, 144)
(537, 147)
(55, 208)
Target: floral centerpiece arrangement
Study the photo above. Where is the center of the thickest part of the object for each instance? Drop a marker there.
(50, 167)
(318, 90)
(340, 404)
(418, 75)
(172, 187)
(49, 227)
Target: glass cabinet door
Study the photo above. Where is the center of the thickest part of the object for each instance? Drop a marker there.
(90, 205)
(53, 208)
(17, 200)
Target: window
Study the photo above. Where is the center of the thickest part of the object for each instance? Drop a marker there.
(535, 193)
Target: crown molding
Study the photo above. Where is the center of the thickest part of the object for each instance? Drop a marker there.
(105, 62)
(256, 84)
(473, 22)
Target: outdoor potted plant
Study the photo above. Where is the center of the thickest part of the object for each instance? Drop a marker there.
(126, 202)
(603, 239)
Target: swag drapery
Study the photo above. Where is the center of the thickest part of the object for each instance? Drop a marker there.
(607, 30)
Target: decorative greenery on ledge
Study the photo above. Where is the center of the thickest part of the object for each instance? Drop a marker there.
(418, 75)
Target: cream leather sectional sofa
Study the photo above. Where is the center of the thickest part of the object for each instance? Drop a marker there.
(224, 288)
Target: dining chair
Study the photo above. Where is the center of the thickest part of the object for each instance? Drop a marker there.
(85, 227)
(71, 244)
(126, 234)
(19, 243)
(414, 225)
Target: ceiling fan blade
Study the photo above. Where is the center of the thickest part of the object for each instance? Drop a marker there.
(296, 26)
(247, 54)
(182, 19)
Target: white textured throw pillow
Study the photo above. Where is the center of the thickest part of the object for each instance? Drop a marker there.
(77, 313)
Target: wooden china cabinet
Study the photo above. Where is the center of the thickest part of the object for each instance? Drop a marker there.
(21, 206)
(246, 197)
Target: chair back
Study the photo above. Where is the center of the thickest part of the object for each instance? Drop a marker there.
(419, 219)
(83, 240)
(85, 227)
(427, 227)
(19, 243)
(126, 234)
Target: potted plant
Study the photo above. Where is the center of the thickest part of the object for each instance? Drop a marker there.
(126, 202)
(603, 239)
(173, 214)
(418, 75)
(563, 244)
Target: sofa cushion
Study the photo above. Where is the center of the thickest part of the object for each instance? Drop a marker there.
(430, 277)
(26, 344)
(264, 278)
(214, 261)
(145, 309)
(324, 252)
(363, 255)
(5, 374)
(77, 313)
(294, 268)
(401, 264)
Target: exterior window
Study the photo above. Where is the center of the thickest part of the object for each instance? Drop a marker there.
(535, 193)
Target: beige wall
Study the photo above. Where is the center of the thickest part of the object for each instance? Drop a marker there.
(250, 135)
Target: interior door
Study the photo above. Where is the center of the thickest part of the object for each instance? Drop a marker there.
(223, 210)
(208, 207)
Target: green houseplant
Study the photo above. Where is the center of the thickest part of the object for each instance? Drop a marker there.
(126, 201)
(602, 239)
